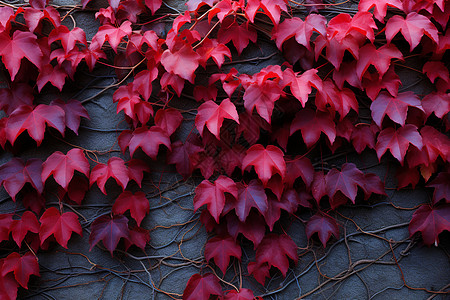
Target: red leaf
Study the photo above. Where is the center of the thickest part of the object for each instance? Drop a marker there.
(115, 168)
(380, 7)
(398, 141)
(221, 248)
(137, 204)
(183, 62)
(435, 144)
(436, 102)
(153, 5)
(413, 27)
(77, 189)
(312, 124)
(266, 161)
(301, 84)
(5, 226)
(275, 250)
(215, 50)
(406, 176)
(242, 294)
(22, 266)
(363, 136)
(33, 120)
(345, 181)
(259, 271)
(251, 195)
(15, 173)
(435, 69)
(330, 98)
(324, 225)
(262, 96)
(18, 94)
(240, 35)
(142, 82)
(202, 287)
(38, 4)
(373, 83)
(299, 167)
(441, 185)
(62, 167)
(149, 140)
(68, 38)
(8, 285)
(213, 195)
(395, 107)
(111, 34)
(55, 75)
(168, 119)
(182, 156)
(34, 16)
(23, 44)
(136, 169)
(27, 223)
(59, 225)
(73, 110)
(380, 58)
(212, 115)
(109, 230)
(430, 221)
(253, 228)
(372, 184)
(138, 237)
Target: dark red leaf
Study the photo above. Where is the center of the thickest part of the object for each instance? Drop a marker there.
(324, 226)
(15, 173)
(73, 110)
(221, 248)
(27, 223)
(441, 185)
(430, 221)
(202, 287)
(109, 229)
(137, 204)
(22, 266)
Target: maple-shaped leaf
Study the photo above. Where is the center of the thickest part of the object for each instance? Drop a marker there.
(240, 35)
(275, 251)
(332, 99)
(149, 140)
(68, 38)
(345, 181)
(18, 94)
(5, 226)
(301, 84)
(34, 120)
(373, 83)
(34, 16)
(22, 266)
(137, 204)
(435, 69)
(59, 225)
(395, 107)
(62, 166)
(183, 62)
(74, 111)
(406, 176)
(430, 221)
(27, 223)
(115, 168)
(113, 35)
(202, 287)
(168, 119)
(273, 8)
(259, 271)
(212, 115)
(109, 229)
(441, 185)
(299, 167)
(22, 44)
(380, 7)
(254, 228)
(213, 195)
(142, 82)
(435, 144)
(262, 96)
(311, 124)
(182, 156)
(15, 173)
(266, 161)
(324, 226)
(379, 58)
(8, 285)
(398, 141)
(136, 169)
(437, 103)
(138, 237)
(55, 75)
(251, 195)
(363, 136)
(413, 27)
(221, 248)
(215, 50)
(153, 5)
(242, 294)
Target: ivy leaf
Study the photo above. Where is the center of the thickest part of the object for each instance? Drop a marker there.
(373, 83)
(109, 230)
(441, 185)
(436, 69)
(437, 103)
(183, 62)
(62, 167)
(221, 248)
(302, 30)
(213, 195)
(182, 156)
(212, 115)
(59, 225)
(435, 144)
(15, 173)
(73, 111)
(240, 35)
(168, 119)
(311, 124)
(8, 285)
(115, 168)
(363, 136)
(379, 58)
(273, 8)
(34, 120)
(251, 195)
(345, 181)
(398, 141)
(202, 287)
(153, 5)
(68, 38)
(324, 226)
(413, 27)
(301, 84)
(149, 140)
(113, 35)
(299, 167)
(266, 161)
(5, 226)
(253, 228)
(275, 251)
(55, 75)
(22, 44)
(27, 223)
(22, 266)
(395, 107)
(380, 7)
(34, 16)
(18, 94)
(262, 96)
(137, 204)
(242, 294)
(430, 221)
